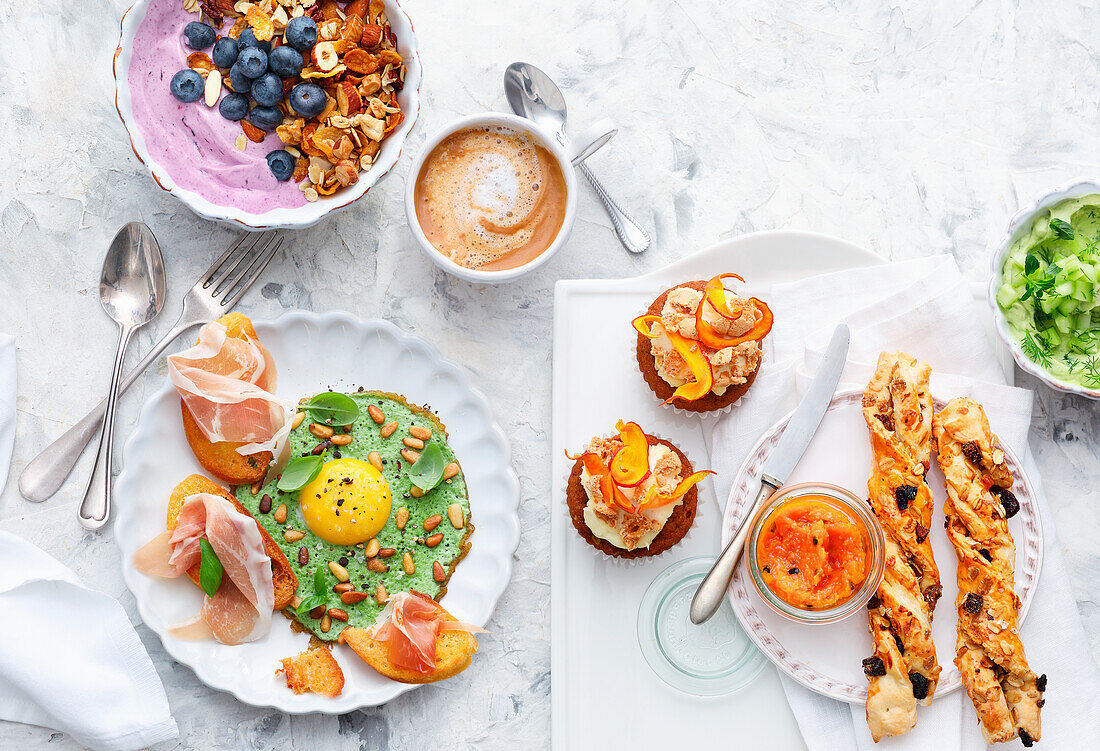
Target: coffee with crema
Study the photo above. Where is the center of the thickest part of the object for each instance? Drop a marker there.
(490, 198)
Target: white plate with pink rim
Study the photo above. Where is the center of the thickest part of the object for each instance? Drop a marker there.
(314, 352)
(827, 658)
(287, 217)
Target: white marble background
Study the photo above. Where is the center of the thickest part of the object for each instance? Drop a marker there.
(908, 128)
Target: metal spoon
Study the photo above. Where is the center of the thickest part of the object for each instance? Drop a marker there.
(132, 291)
(532, 94)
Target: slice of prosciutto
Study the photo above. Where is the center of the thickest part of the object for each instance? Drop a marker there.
(410, 623)
(240, 611)
(228, 385)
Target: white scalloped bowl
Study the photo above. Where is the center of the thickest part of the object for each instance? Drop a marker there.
(315, 352)
(1019, 225)
(298, 217)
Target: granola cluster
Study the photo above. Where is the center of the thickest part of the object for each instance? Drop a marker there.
(356, 63)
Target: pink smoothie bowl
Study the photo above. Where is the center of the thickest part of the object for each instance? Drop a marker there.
(189, 148)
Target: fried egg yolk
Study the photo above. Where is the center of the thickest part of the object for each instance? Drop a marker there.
(347, 503)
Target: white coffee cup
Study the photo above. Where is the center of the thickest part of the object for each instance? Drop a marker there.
(578, 148)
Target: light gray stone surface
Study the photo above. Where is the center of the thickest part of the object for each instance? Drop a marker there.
(906, 130)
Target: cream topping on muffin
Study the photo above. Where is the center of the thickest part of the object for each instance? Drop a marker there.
(731, 366)
(620, 528)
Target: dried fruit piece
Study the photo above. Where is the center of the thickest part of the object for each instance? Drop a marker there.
(324, 56)
(238, 26)
(201, 62)
(353, 30)
(362, 62)
(262, 25)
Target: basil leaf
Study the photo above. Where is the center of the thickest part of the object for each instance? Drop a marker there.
(299, 473)
(1062, 228)
(210, 568)
(332, 408)
(320, 583)
(428, 470)
(309, 604)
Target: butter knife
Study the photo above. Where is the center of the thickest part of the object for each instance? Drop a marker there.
(789, 449)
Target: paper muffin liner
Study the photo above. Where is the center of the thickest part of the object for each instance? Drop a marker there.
(641, 559)
(718, 412)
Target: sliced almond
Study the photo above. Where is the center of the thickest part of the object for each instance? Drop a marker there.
(213, 87)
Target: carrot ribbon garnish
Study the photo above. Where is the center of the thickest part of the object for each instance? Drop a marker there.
(692, 353)
(655, 499)
(630, 465)
(716, 295)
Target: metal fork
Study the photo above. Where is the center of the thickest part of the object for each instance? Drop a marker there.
(215, 293)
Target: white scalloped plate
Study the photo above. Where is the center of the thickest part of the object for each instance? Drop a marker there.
(314, 352)
(826, 658)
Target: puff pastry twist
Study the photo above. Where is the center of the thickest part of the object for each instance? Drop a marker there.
(1007, 696)
(903, 669)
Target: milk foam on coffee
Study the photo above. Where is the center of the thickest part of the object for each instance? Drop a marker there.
(490, 198)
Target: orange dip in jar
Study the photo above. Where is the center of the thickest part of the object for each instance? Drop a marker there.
(813, 554)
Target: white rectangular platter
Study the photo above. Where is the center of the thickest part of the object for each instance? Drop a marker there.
(604, 695)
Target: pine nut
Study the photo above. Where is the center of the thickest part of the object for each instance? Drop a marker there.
(454, 513)
(265, 504)
(255, 488)
(413, 443)
(317, 612)
(437, 572)
(416, 492)
(407, 563)
(375, 459)
(434, 540)
(402, 518)
(320, 448)
(341, 440)
(293, 535)
(297, 420)
(295, 601)
(380, 594)
(326, 623)
(386, 553)
(450, 470)
(388, 428)
(418, 431)
(303, 556)
(372, 548)
(343, 587)
(432, 522)
(321, 431)
(280, 513)
(350, 598)
(338, 571)
(337, 614)
(377, 566)
(376, 415)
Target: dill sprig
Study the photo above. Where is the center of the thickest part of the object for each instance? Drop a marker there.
(1034, 350)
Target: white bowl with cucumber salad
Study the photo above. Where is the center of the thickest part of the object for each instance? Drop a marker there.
(1045, 289)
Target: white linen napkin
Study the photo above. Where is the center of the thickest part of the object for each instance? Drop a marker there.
(7, 404)
(69, 658)
(923, 307)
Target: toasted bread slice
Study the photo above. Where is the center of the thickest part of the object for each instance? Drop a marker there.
(286, 583)
(454, 650)
(314, 671)
(221, 459)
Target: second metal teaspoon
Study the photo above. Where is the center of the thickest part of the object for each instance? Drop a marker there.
(532, 94)
(132, 289)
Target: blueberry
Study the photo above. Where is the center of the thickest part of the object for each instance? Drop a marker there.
(238, 81)
(234, 106)
(285, 61)
(301, 33)
(252, 62)
(267, 90)
(199, 35)
(187, 85)
(225, 52)
(248, 39)
(281, 165)
(266, 118)
(308, 99)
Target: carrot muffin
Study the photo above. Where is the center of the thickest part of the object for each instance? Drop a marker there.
(699, 344)
(632, 495)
